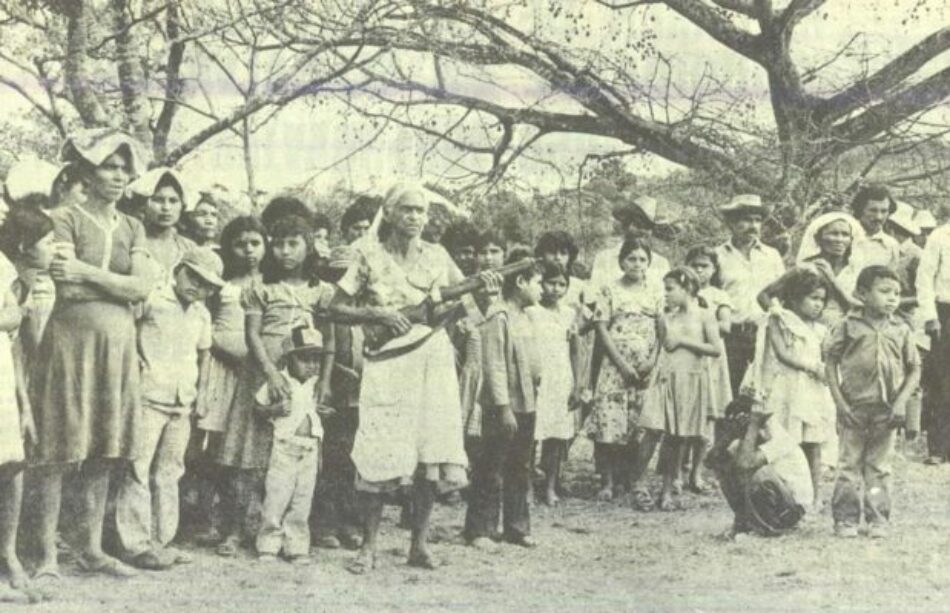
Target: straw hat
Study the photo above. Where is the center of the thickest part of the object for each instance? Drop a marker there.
(744, 203)
(903, 218)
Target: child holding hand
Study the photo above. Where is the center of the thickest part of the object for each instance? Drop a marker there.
(295, 451)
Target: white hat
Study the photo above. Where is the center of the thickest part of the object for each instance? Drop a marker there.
(925, 219)
(146, 185)
(903, 218)
(743, 203)
(31, 176)
(94, 145)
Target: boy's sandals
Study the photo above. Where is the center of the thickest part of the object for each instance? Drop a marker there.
(362, 564)
(642, 500)
(327, 542)
(106, 565)
(46, 572)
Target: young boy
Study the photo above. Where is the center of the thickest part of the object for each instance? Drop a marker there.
(872, 367)
(295, 454)
(511, 374)
(174, 339)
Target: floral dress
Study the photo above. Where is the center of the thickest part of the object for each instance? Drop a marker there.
(631, 313)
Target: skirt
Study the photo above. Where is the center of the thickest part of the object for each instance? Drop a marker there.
(411, 419)
(11, 442)
(678, 404)
(86, 388)
(219, 383)
(246, 440)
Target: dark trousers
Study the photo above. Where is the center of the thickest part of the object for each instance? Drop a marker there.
(938, 388)
(334, 504)
(501, 479)
(740, 351)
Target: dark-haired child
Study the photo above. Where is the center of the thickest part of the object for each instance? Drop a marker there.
(461, 240)
(556, 335)
(501, 477)
(491, 249)
(243, 244)
(200, 224)
(677, 402)
(625, 317)
(295, 452)
(285, 299)
(174, 336)
(787, 375)
(873, 367)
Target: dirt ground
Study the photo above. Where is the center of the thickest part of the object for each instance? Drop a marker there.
(591, 556)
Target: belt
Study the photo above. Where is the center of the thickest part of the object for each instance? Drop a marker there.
(743, 328)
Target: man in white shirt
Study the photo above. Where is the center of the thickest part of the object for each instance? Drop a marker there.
(933, 296)
(746, 267)
(762, 472)
(636, 220)
(872, 206)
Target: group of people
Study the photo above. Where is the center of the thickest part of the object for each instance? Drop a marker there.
(277, 392)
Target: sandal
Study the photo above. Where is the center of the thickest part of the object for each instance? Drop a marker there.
(229, 548)
(422, 560)
(47, 571)
(667, 502)
(642, 500)
(106, 565)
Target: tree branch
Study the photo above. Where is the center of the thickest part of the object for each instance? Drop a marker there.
(798, 10)
(866, 91)
(174, 84)
(718, 27)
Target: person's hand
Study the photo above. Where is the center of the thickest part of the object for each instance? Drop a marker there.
(817, 373)
(824, 268)
(66, 268)
(630, 375)
(27, 428)
(325, 410)
(491, 281)
(398, 323)
(932, 327)
(846, 416)
(507, 421)
(671, 342)
(898, 414)
(277, 387)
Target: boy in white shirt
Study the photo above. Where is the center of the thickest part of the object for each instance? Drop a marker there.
(295, 453)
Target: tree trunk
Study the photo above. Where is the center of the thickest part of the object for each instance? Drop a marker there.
(131, 78)
(76, 69)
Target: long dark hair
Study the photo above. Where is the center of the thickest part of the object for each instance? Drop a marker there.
(235, 228)
(283, 227)
(705, 251)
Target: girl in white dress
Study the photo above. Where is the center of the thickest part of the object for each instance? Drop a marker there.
(556, 335)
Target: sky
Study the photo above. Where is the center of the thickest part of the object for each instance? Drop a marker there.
(308, 140)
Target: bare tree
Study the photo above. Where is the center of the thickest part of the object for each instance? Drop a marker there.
(439, 75)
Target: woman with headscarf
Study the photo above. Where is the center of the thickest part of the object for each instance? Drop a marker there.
(86, 392)
(827, 245)
(410, 427)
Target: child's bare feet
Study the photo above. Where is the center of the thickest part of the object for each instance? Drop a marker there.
(606, 494)
(698, 486)
(421, 558)
(667, 501)
(550, 498)
(364, 562)
(46, 571)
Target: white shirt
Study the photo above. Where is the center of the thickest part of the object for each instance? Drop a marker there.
(606, 268)
(788, 461)
(744, 277)
(878, 250)
(933, 273)
(302, 404)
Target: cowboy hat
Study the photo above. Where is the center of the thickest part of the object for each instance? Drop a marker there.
(903, 218)
(304, 339)
(744, 203)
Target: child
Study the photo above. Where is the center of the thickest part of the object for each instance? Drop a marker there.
(558, 247)
(201, 223)
(705, 263)
(787, 375)
(244, 242)
(491, 248)
(557, 339)
(625, 317)
(174, 335)
(284, 300)
(17, 430)
(678, 401)
(872, 367)
(295, 453)
(511, 366)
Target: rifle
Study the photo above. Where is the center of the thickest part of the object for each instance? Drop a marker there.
(433, 313)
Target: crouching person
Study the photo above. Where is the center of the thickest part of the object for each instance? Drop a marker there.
(295, 453)
(174, 336)
(762, 472)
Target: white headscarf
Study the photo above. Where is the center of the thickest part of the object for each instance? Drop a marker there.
(809, 247)
(146, 185)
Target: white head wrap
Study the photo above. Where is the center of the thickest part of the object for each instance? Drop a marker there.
(809, 246)
(146, 185)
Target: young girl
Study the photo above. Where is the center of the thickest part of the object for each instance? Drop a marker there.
(159, 196)
(556, 336)
(284, 300)
(677, 403)
(788, 374)
(625, 319)
(705, 263)
(201, 223)
(244, 243)
(17, 426)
